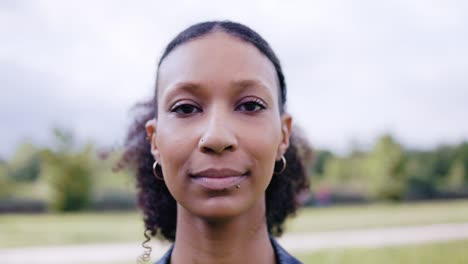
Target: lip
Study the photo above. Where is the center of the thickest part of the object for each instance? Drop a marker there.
(218, 179)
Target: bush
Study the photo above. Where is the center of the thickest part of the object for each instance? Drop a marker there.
(112, 200)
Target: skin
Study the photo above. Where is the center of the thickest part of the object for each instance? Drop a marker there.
(218, 109)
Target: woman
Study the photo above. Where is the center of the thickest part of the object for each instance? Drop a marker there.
(217, 169)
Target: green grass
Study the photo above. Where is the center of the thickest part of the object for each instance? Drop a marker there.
(59, 229)
(454, 252)
(379, 215)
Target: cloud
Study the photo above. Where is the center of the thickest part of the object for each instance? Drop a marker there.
(354, 69)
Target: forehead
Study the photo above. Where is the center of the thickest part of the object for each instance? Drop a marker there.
(216, 58)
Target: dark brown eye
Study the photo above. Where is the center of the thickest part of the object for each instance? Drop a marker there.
(251, 106)
(185, 109)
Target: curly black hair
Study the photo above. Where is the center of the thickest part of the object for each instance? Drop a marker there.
(154, 198)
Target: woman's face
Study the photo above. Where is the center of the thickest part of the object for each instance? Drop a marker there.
(218, 125)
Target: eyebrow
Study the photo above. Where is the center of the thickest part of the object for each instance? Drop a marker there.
(195, 87)
(190, 87)
(249, 83)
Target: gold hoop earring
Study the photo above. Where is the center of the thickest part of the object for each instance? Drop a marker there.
(155, 173)
(283, 159)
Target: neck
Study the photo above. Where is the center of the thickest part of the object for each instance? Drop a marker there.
(239, 239)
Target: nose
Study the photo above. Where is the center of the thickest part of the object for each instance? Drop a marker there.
(218, 136)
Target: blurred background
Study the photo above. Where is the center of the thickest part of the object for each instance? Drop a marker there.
(380, 89)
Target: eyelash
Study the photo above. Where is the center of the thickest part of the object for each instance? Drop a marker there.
(178, 108)
(256, 102)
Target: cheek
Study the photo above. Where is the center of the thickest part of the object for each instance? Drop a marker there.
(263, 137)
(263, 144)
(174, 150)
(173, 141)
(264, 149)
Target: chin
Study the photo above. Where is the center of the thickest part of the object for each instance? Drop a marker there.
(220, 208)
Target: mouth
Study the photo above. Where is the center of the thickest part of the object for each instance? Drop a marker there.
(219, 179)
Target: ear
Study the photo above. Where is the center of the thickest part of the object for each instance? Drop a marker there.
(286, 123)
(151, 126)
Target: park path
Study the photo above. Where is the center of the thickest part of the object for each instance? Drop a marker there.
(297, 243)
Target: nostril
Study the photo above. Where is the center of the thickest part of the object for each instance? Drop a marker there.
(229, 147)
(207, 150)
(211, 150)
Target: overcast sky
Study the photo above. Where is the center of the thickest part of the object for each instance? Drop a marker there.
(355, 69)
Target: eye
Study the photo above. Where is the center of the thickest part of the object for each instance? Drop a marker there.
(185, 109)
(251, 106)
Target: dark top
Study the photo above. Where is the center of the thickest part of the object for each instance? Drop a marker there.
(282, 257)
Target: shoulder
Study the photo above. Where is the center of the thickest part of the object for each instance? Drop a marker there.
(282, 256)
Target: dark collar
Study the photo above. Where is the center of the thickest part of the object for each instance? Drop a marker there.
(282, 257)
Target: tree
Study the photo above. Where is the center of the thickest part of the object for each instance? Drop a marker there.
(456, 176)
(320, 161)
(69, 173)
(6, 187)
(386, 169)
(26, 164)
